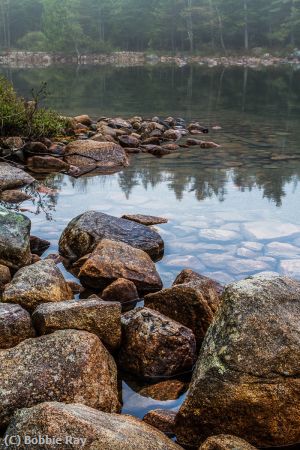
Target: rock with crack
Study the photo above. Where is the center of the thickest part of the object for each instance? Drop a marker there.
(112, 260)
(38, 283)
(65, 366)
(85, 231)
(79, 426)
(14, 239)
(246, 381)
(155, 346)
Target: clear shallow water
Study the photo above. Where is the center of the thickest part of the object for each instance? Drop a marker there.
(232, 211)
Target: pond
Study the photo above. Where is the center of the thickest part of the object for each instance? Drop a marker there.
(233, 211)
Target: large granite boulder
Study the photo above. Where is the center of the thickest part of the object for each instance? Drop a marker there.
(112, 260)
(14, 239)
(192, 303)
(68, 366)
(246, 381)
(15, 325)
(93, 315)
(12, 177)
(106, 155)
(154, 345)
(78, 426)
(226, 442)
(85, 231)
(38, 283)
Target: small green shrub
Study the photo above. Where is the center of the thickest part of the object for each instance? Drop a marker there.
(21, 118)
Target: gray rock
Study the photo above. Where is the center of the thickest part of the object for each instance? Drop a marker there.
(38, 283)
(93, 315)
(270, 230)
(217, 234)
(85, 231)
(11, 177)
(98, 430)
(14, 239)
(15, 325)
(105, 155)
(246, 381)
(154, 345)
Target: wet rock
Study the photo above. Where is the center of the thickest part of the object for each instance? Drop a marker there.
(84, 119)
(193, 304)
(171, 147)
(35, 148)
(226, 442)
(68, 365)
(14, 239)
(93, 315)
(164, 391)
(209, 144)
(247, 376)
(14, 196)
(154, 345)
(11, 177)
(129, 141)
(158, 151)
(15, 325)
(41, 282)
(48, 163)
(106, 155)
(172, 135)
(85, 231)
(112, 260)
(123, 291)
(38, 246)
(98, 430)
(162, 419)
(5, 276)
(145, 220)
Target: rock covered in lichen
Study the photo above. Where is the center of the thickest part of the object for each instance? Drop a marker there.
(246, 381)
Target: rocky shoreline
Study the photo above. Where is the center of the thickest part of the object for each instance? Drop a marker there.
(65, 344)
(23, 59)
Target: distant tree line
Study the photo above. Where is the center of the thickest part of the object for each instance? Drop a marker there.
(203, 26)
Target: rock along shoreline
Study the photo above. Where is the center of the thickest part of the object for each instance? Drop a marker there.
(24, 59)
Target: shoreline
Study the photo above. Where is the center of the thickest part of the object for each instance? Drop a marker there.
(23, 59)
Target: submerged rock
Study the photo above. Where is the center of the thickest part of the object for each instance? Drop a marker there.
(145, 220)
(41, 282)
(192, 303)
(15, 325)
(106, 155)
(246, 381)
(14, 239)
(93, 315)
(112, 260)
(154, 345)
(14, 196)
(82, 427)
(11, 177)
(85, 231)
(226, 442)
(69, 365)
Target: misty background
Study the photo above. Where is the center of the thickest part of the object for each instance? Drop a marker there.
(200, 26)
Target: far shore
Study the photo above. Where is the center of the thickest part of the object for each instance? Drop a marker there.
(23, 59)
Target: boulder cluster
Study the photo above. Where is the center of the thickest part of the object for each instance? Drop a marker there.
(61, 356)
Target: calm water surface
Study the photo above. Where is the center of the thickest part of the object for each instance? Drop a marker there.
(232, 211)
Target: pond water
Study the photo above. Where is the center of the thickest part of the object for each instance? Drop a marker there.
(232, 211)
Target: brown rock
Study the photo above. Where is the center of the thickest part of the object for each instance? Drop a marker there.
(38, 283)
(106, 155)
(159, 151)
(193, 304)
(172, 135)
(84, 119)
(123, 291)
(112, 260)
(67, 366)
(48, 163)
(226, 442)
(12, 142)
(145, 220)
(85, 231)
(171, 147)
(129, 141)
(164, 390)
(188, 275)
(154, 345)
(76, 288)
(93, 315)
(118, 122)
(98, 430)
(246, 382)
(14, 196)
(15, 325)
(35, 148)
(5, 276)
(162, 419)
(38, 246)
